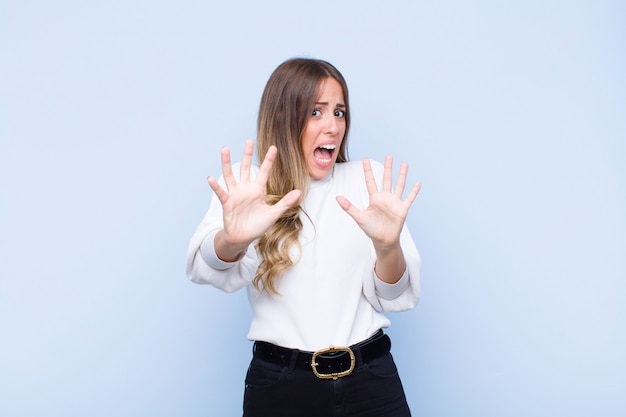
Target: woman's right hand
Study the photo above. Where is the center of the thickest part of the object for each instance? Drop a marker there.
(246, 214)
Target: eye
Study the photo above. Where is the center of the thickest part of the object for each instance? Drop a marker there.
(316, 112)
(340, 113)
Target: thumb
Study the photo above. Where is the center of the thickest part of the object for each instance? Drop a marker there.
(351, 209)
(289, 200)
(344, 203)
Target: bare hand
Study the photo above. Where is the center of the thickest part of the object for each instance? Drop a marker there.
(382, 221)
(246, 214)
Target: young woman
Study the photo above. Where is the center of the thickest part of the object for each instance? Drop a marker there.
(321, 246)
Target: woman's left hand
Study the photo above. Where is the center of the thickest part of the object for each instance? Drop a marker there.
(383, 220)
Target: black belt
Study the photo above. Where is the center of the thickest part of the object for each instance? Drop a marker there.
(330, 363)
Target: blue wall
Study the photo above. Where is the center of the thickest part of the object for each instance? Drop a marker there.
(511, 113)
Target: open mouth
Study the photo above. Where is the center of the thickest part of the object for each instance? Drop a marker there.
(324, 154)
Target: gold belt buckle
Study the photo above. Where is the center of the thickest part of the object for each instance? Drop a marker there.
(332, 375)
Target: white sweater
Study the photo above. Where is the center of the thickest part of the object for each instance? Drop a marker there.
(331, 296)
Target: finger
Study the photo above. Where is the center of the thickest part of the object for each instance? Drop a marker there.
(370, 182)
(401, 183)
(289, 200)
(349, 208)
(227, 169)
(344, 202)
(388, 174)
(218, 190)
(266, 166)
(246, 161)
(410, 198)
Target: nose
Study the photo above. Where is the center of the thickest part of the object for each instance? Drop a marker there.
(332, 125)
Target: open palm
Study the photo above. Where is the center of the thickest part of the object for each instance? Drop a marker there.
(383, 219)
(246, 214)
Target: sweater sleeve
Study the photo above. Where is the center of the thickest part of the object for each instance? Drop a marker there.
(404, 294)
(204, 267)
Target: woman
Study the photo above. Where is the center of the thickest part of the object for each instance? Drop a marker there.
(321, 247)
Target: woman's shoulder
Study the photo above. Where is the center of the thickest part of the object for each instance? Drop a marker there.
(355, 168)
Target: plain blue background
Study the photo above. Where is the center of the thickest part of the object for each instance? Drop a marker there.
(511, 113)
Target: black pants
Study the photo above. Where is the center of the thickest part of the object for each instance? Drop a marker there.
(373, 389)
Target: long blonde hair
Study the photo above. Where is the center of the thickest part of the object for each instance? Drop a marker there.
(286, 104)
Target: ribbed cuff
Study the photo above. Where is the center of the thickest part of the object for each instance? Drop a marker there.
(207, 250)
(391, 291)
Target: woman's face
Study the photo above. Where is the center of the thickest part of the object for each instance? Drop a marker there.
(324, 130)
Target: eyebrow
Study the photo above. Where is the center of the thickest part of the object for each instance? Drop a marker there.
(325, 103)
